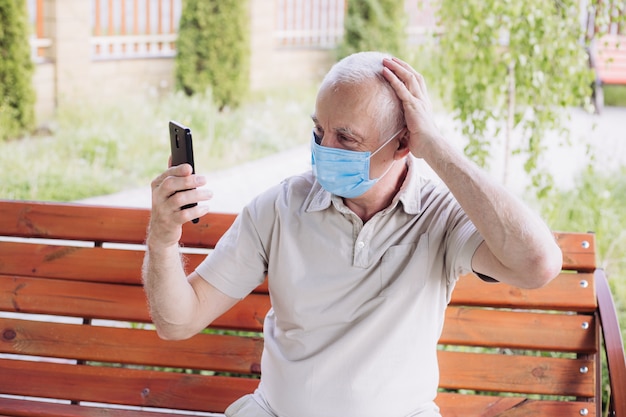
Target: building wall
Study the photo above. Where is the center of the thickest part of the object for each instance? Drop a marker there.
(67, 72)
(43, 80)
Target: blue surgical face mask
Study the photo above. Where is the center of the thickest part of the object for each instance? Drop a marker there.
(342, 172)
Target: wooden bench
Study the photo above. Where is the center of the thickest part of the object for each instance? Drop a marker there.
(611, 59)
(75, 338)
(608, 59)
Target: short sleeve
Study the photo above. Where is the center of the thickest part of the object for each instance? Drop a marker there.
(461, 243)
(239, 262)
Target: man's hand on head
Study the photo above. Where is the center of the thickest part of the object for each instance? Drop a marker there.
(411, 89)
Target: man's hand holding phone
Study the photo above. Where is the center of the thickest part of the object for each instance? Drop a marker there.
(181, 145)
(175, 196)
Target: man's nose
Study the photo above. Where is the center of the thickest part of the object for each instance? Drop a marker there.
(329, 140)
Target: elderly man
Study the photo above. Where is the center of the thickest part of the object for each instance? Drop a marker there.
(362, 253)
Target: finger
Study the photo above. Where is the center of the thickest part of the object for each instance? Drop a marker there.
(187, 205)
(172, 185)
(399, 86)
(413, 80)
(177, 171)
(190, 196)
(173, 211)
(192, 213)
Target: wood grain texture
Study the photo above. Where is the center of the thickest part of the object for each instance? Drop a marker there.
(501, 347)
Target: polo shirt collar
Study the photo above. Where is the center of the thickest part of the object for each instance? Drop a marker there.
(409, 195)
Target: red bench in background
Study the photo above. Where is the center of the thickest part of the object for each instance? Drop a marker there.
(608, 58)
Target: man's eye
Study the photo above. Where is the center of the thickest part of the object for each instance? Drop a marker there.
(345, 139)
(317, 138)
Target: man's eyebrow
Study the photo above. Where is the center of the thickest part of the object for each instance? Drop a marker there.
(350, 133)
(342, 130)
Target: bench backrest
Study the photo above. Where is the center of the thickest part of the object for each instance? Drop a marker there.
(610, 59)
(74, 326)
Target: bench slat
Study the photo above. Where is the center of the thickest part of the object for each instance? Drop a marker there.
(452, 405)
(55, 380)
(27, 408)
(565, 294)
(130, 346)
(83, 263)
(98, 223)
(79, 263)
(72, 298)
(73, 262)
(516, 374)
(124, 266)
(579, 251)
(128, 225)
(109, 302)
(133, 387)
(457, 405)
(134, 346)
(520, 330)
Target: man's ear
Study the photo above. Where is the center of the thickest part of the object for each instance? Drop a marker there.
(403, 144)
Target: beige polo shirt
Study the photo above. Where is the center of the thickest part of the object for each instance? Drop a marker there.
(357, 309)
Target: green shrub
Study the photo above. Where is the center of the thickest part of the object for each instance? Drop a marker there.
(374, 25)
(213, 50)
(17, 95)
(614, 95)
(596, 204)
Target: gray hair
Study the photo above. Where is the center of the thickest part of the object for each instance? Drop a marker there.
(362, 67)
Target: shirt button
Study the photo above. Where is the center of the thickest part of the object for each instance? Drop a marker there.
(360, 245)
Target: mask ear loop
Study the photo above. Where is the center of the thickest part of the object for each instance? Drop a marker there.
(382, 146)
(387, 170)
(387, 142)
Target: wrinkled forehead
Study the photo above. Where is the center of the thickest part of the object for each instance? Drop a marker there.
(349, 106)
(370, 104)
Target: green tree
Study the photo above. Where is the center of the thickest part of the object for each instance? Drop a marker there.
(213, 50)
(374, 25)
(513, 66)
(17, 95)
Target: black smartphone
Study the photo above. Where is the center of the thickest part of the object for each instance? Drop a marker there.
(181, 145)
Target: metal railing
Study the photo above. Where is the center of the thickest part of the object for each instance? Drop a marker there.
(148, 28)
(319, 23)
(309, 23)
(134, 28)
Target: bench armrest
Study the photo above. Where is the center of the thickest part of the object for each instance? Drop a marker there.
(613, 344)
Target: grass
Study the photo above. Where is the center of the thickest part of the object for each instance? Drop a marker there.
(596, 204)
(97, 149)
(614, 95)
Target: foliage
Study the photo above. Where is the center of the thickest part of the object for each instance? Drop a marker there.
(374, 25)
(214, 50)
(512, 66)
(597, 204)
(615, 95)
(101, 148)
(17, 95)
